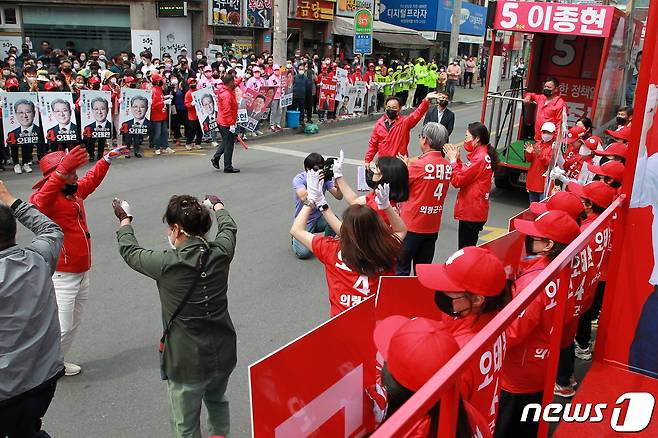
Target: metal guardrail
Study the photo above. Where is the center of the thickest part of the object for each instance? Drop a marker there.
(444, 385)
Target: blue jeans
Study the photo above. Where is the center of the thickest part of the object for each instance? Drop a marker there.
(318, 226)
(160, 133)
(536, 196)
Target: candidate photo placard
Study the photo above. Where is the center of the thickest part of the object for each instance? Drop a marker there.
(135, 111)
(57, 117)
(96, 114)
(20, 119)
(205, 104)
(253, 108)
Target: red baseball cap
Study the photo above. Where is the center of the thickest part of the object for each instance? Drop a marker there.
(622, 134)
(598, 192)
(156, 77)
(619, 149)
(574, 133)
(94, 80)
(561, 201)
(471, 269)
(555, 225)
(49, 86)
(414, 349)
(612, 169)
(129, 79)
(48, 164)
(11, 83)
(190, 80)
(593, 142)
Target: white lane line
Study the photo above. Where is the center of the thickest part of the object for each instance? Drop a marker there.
(295, 153)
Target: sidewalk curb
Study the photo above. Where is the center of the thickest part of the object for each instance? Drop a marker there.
(338, 124)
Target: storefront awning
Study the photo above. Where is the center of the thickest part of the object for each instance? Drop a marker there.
(388, 35)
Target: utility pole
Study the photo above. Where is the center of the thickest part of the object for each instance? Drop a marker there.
(280, 31)
(454, 33)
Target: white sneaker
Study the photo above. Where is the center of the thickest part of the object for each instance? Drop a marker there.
(27, 168)
(18, 169)
(157, 152)
(71, 369)
(188, 147)
(584, 353)
(198, 146)
(170, 151)
(214, 144)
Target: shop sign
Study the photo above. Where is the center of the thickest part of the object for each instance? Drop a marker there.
(584, 20)
(148, 40)
(259, 13)
(224, 13)
(433, 15)
(347, 8)
(171, 9)
(313, 9)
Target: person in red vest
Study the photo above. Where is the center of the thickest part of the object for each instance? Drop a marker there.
(159, 116)
(227, 118)
(549, 105)
(539, 156)
(529, 336)
(369, 77)
(356, 76)
(194, 132)
(390, 136)
(60, 195)
(473, 179)
(470, 289)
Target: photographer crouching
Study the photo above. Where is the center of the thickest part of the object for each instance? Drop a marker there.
(316, 223)
(198, 346)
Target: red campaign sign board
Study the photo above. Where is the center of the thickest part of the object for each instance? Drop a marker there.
(314, 386)
(567, 19)
(327, 100)
(579, 96)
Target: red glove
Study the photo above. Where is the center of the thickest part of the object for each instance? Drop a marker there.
(71, 161)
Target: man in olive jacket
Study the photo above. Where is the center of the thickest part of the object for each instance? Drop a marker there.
(200, 350)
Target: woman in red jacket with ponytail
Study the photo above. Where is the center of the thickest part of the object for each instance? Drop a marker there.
(473, 179)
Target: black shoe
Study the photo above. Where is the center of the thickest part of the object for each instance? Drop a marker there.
(215, 163)
(137, 155)
(231, 170)
(127, 157)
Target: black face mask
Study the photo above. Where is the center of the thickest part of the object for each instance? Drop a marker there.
(66, 69)
(369, 179)
(70, 189)
(444, 303)
(547, 92)
(391, 114)
(621, 120)
(443, 103)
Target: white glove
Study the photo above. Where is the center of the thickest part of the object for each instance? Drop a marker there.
(557, 173)
(114, 153)
(338, 165)
(167, 101)
(381, 196)
(314, 187)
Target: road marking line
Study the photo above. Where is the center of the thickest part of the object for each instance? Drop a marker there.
(493, 233)
(296, 153)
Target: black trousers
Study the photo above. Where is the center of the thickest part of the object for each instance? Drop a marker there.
(584, 332)
(510, 408)
(468, 233)
(226, 147)
(26, 153)
(468, 79)
(193, 132)
(179, 120)
(404, 95)
(309, 109)
(416, 248)
(134, 141)
(22, 418)
(95, 143)
(421, 92)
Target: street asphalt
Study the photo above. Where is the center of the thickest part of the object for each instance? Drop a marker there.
(273, 297)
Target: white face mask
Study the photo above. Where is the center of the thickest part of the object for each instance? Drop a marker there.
(174, 82)
(584, 150)
(113, 80)
(546, 137)
(171, 245)
(199, 56)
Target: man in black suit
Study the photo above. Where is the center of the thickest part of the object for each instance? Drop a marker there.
(65, 131)
(441, 114)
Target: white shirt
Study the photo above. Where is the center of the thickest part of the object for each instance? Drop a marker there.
(645, 194)
(66, 127)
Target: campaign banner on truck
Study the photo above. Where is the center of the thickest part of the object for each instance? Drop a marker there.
(327, 98)
(135, 111)
(20, 120)
(205, 104)
(57, 119)
(333, 364)
(96, 114)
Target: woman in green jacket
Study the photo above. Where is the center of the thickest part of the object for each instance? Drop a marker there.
(199, 348)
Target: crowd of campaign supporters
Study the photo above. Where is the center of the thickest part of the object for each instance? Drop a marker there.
(392, 229)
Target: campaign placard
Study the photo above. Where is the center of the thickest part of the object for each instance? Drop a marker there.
(327, 99)
(134, 111)
(253, 108)
(354, 100)
(19, 119)
(286, 90)
(205, 103)
(58, 123)
(372, 99)
(96, 114)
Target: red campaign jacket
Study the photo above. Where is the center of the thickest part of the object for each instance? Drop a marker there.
(355, 77)
(573, 166)
(228, 106)
(158, 107)
(547, 111)
(369, 77)
(191, 110)
(478, 425)
(389, 143)
(115, 93)
(529, 336)
(538, 165)
(474, 183)
(69, 214)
